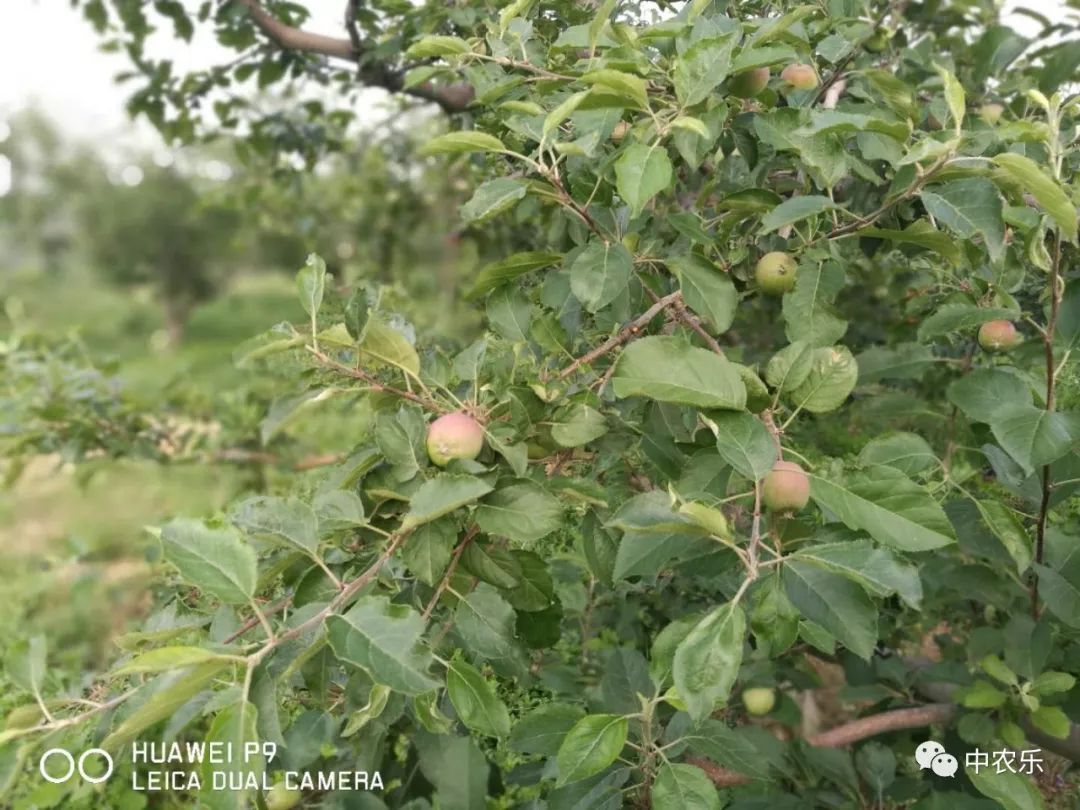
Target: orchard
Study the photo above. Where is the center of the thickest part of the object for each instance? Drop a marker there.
(761, 472)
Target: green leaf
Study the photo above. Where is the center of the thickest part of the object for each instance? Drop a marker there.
(475, 701)
(795, 210)
(961, 318)
(441, 495)
(492, 564)
(485, 622)
(381, 343)
(954, 96)
(593, 743)
(877, 570)
(768, 56)
(702, 67)
(998, 670)
(789, 367)
(499, 273)
(555, 118)
(642, 172)
(378, 697)
(1033, 436)
(969, 207)
(707, 661)
(433, 45)
(523, 511)
(833, 374)
(600, 273)
(667, 369)
(744, 442)
(1052, 720)
(1053, 683)
(834, 602)
(1007, 528)
(400, 436)
(288, 520)
(624, 85)
(1046, 191)
(651, 513)
(169, 693)
(1012, 791)
(542, 730)
(493, 198)
(427, 550)
(907, 452)
(809, 315)
(578, 425)
(233, 729)
(310, 283)
(824, 122)
(461, 142)
(383, 639)
(166, 658)
(888, 506)
(214, 560)
(707, 291)
(986, 393)
(683, 787)
(904, 361)
(922, 234)
(26, 663)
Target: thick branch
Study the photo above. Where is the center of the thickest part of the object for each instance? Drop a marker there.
(856, 730)
(293, 39)
(452, 98)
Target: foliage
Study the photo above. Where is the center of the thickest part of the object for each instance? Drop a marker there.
(567, 619)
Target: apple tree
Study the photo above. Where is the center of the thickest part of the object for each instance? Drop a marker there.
(778, 391)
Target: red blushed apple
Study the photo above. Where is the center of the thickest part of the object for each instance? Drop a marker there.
(786, 487)
(454, 435)
(998, 336)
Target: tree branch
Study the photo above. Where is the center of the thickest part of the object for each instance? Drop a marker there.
(848, 733)
(622, 336)
(451, 97)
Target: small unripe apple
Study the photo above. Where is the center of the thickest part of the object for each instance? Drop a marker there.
(759, 700)
(786, 487)
(878, 41)
(990, 113)
(799, 76)
(748, 83)
(455, 435)
(620, 130)
(998, 336)
(280, 797)
(775, 272)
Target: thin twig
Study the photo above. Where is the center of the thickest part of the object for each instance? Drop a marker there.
(623, 335)
(445, 581)
(1051, 379)
(254, 620)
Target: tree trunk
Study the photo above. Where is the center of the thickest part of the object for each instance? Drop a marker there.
(176, 317)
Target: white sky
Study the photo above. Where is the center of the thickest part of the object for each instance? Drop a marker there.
(49, 57)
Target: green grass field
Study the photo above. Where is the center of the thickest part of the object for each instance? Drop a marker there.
(74, 538)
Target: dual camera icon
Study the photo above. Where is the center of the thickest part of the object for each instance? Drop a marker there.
(932, 755)
(72, 766)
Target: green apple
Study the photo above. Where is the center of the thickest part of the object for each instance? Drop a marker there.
(759, 700)
(775, 272)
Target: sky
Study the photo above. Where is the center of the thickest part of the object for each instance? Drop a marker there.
(49, 57)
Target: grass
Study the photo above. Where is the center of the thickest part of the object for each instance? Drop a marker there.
(72, 539)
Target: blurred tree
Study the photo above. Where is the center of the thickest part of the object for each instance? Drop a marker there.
(161, 232)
